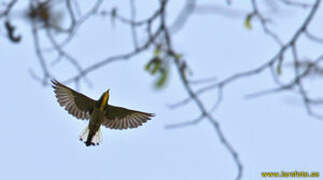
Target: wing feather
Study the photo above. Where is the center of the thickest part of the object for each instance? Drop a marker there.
(122, 118)
(73, 102)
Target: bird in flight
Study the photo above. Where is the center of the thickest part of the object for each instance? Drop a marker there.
(98, 112)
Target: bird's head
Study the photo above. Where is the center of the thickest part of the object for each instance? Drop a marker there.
(107, 92)
(103, 101)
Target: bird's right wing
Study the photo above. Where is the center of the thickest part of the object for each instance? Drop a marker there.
(122, 118)
(75, 103)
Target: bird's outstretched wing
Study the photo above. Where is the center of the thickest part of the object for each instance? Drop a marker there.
(122, 118)
(75, 103)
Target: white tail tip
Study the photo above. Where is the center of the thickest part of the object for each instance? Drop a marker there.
(97, 139)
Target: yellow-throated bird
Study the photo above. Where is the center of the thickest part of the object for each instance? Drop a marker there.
(99, 113)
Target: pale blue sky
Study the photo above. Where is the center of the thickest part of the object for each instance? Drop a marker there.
(271, 133)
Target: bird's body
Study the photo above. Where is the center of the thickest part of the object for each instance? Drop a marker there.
(98, 112)
(96, 119)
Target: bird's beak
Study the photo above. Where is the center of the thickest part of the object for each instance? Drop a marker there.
(107, 93)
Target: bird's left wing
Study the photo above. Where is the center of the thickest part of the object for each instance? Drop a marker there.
(75, 103)
(122, 118)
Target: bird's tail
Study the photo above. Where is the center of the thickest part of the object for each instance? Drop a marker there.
(96, 139)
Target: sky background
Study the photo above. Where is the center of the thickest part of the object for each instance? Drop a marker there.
(39, 140)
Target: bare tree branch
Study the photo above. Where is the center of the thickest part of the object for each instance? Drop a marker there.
(158, 34)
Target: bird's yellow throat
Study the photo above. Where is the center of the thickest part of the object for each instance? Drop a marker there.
(104, 101)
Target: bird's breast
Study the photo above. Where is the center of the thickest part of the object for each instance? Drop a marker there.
(96, 119)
